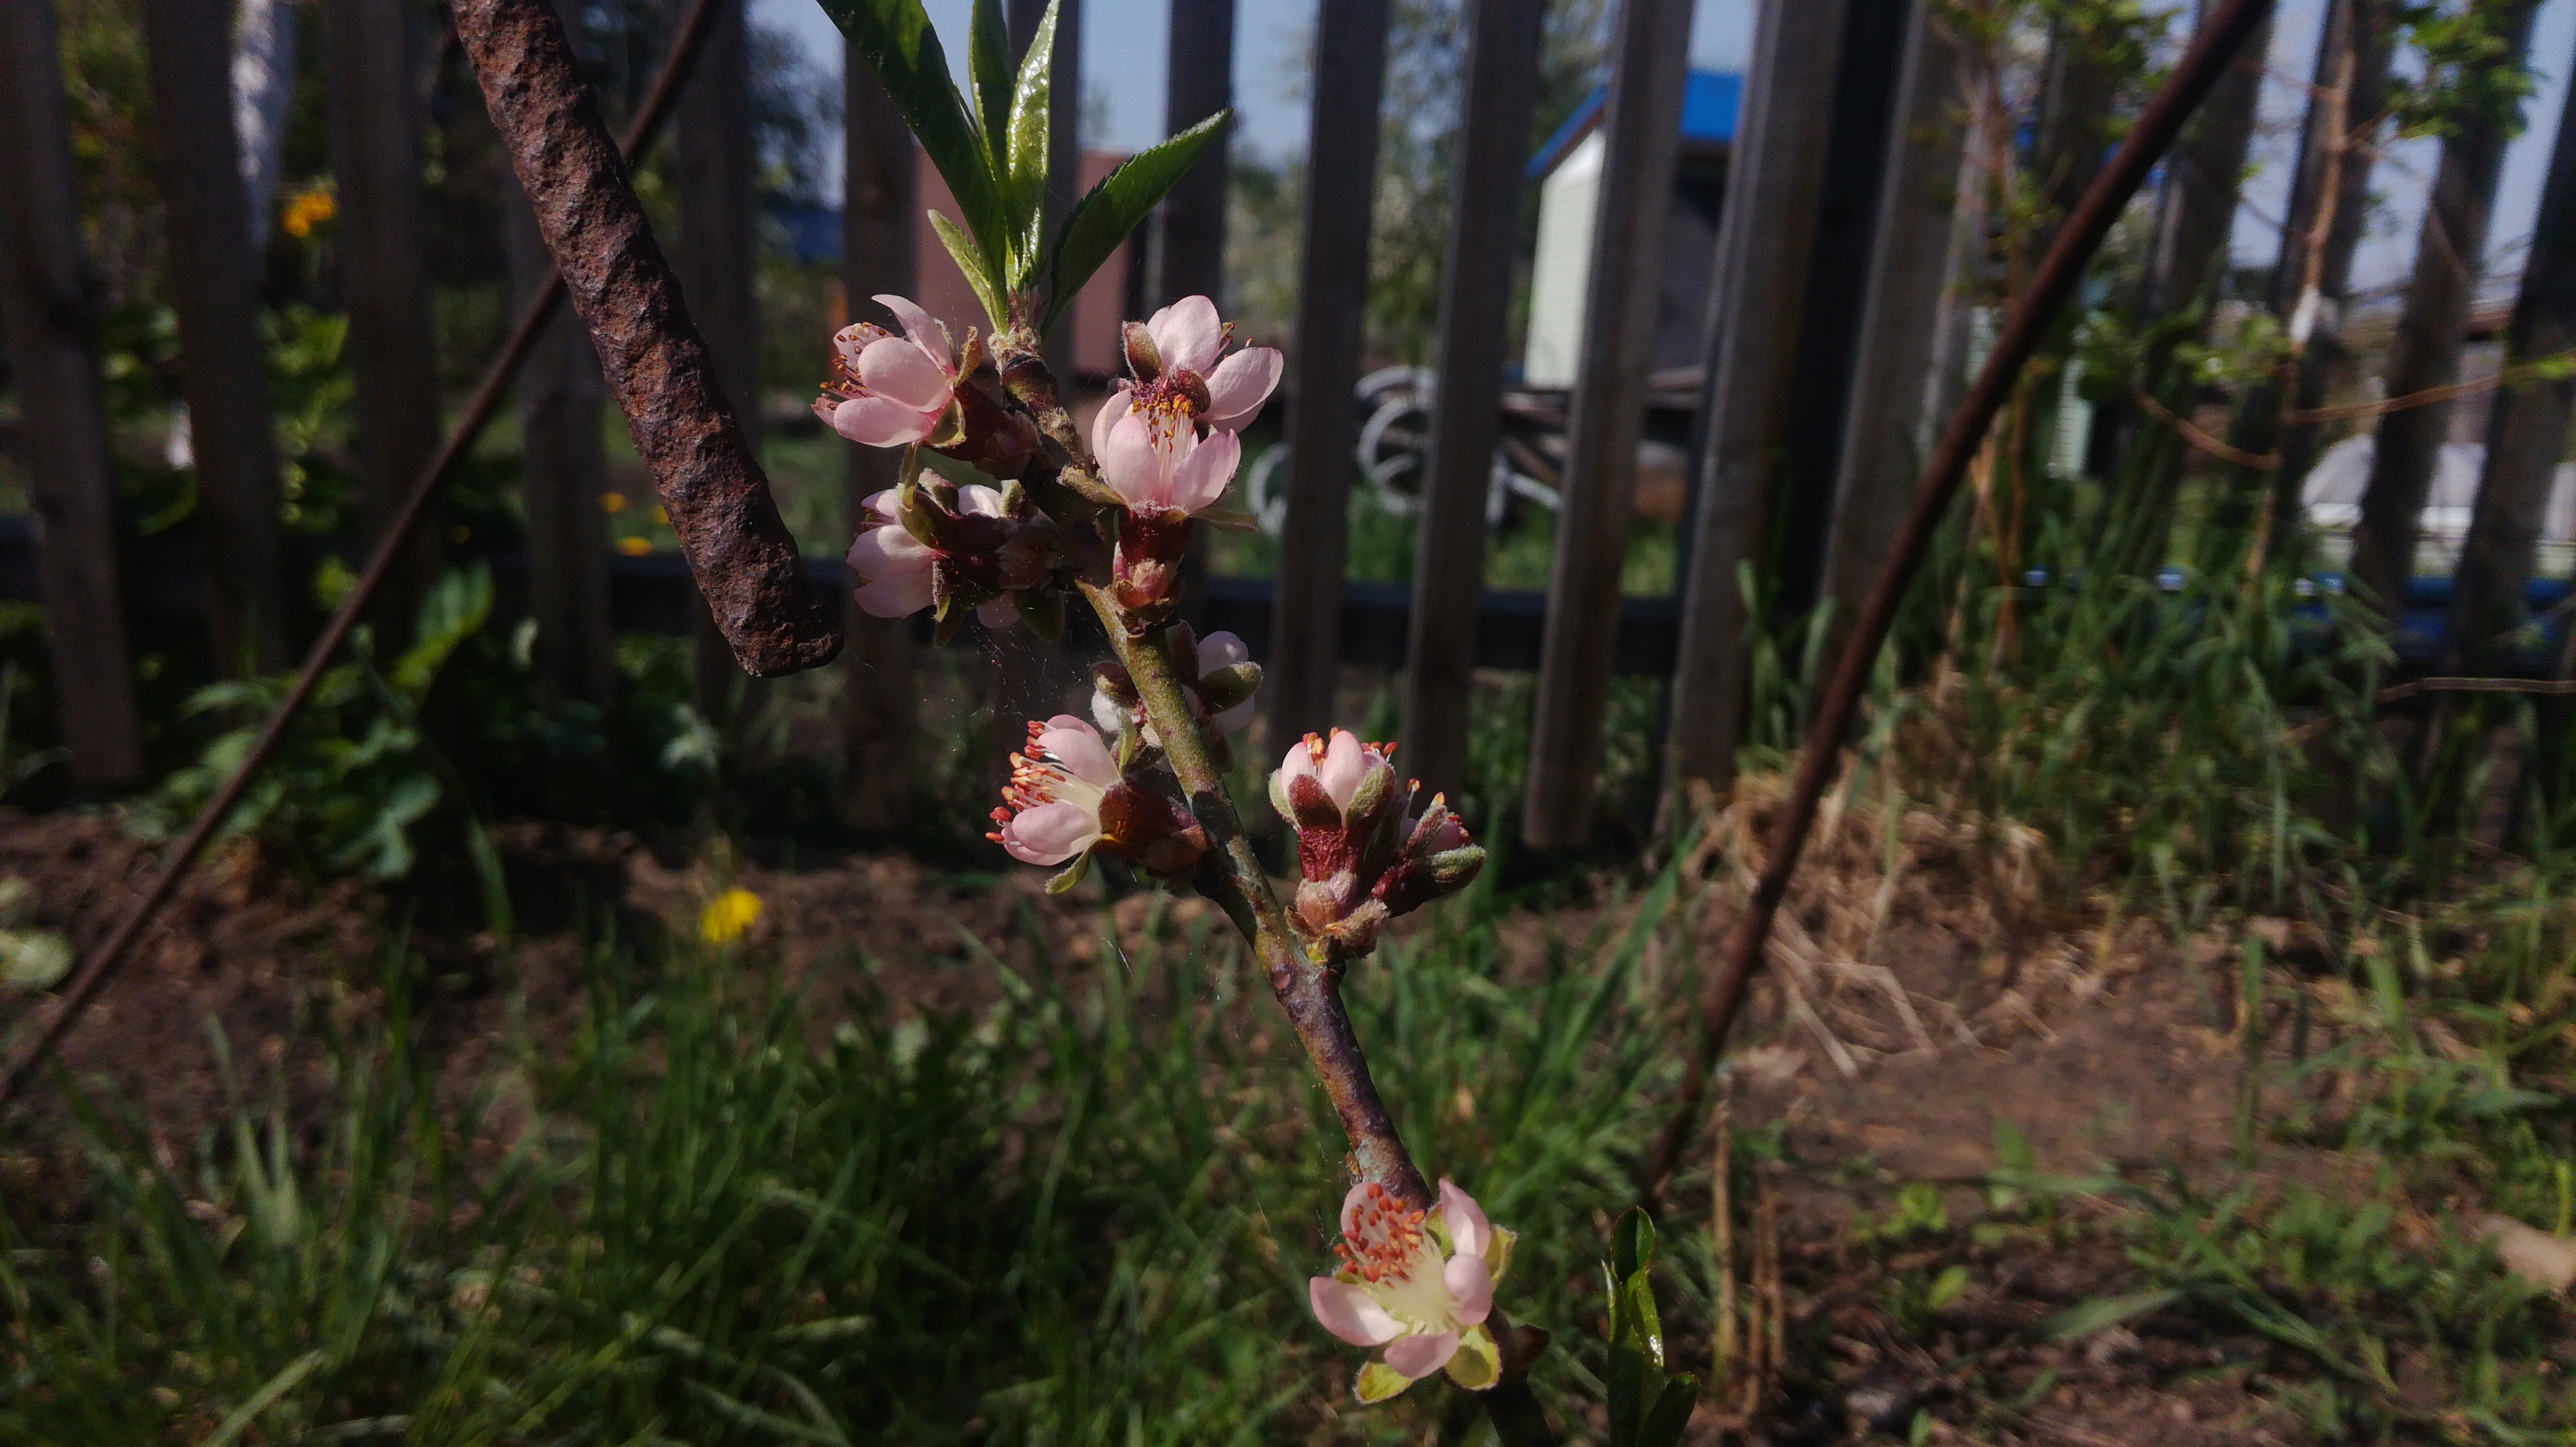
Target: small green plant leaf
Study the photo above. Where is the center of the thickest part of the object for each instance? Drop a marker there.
(988, 63)
(895, 38)
(970, 260)
(1663, 1425)
(1115, 207)
(1020, 158)
(2105, 1311)
(1632, 1243)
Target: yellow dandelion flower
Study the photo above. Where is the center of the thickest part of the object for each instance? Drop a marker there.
(612, 503)
(307, 209)
(635, 547)
(728, 916)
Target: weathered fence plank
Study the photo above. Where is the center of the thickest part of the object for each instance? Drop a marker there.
(1930, 237)
(1765, 237)
(2527, 431)
(2426, 353)
(1650, 59)
(878, 696)
(2077, 89)
(718, 163)
(1475, 316)
(222, 361)
(563, 473)
(2353, 138)
(372, 93)
(48, 315)
(1332, 295)
(1198, 81)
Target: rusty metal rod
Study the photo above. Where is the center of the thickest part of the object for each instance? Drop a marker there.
(102, 963)
(2213, 51)
(738, 548)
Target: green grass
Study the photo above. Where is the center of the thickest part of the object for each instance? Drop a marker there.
(716, 1213)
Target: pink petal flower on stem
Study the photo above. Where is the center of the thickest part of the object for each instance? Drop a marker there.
(1224, 650)
(893, 565)
(885, 390)
(1397, 1289)
(1052, 804)
(1167, 470)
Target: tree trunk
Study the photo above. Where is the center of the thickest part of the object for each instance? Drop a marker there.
(2527, 432)
(879, 697)
(223, 362)
(1475, 316)
(718, 165)
(384, 273)
(1764, 242)
(49, 315)
(1641, 130)
(2450, 250)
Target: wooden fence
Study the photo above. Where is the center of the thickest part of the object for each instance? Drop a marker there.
(1836, 336)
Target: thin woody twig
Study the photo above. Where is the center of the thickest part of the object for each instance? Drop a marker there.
(103, 963)
(2213, 50)
(2190, 432)
(2351, 411)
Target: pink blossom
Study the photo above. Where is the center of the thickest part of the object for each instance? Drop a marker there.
(1215, 651)
(1418, 1283)
(895, 568)
(1054, 797)
(1340, 766)
(885, 390)
(1159, 470)
(1190, 340)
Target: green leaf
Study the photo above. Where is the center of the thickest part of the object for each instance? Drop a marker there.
(1102, 219)
(1644, 1322)
(970, 260)
(1632, 1243)
(988, 62)
(1023, 167)
(896, 40)
(2105, 1311)
(1663, 1426)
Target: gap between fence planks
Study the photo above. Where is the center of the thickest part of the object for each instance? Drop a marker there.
(2213, 49)
(95, 971)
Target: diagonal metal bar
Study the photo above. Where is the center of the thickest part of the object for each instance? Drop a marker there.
(102, 963)
(2213, 50)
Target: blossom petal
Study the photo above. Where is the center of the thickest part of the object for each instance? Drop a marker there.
(1358, 1195)
(896, 595)
(884, 551)
(1201, 475)
(997, 613)
(1240, 384)
(1235, 719)
(1132, 465)
(1222, 650)
(1350, 1313)
(1469, 1281)
(1346, 763)
(1120, 403)
(904, 372)
(881, 422)
(1188, 333)
(927, 332)
(976, 499)
(1464, 1220)
(1420, 1356)
(1077, 746)
(1050, 833)
(883, 505)
(1379, 1382)
(1107, 713)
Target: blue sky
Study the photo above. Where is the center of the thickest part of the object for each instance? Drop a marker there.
(1124, 54)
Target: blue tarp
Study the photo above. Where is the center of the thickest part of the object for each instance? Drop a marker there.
(1710, 104)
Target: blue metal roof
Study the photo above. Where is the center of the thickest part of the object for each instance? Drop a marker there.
(1710, 104)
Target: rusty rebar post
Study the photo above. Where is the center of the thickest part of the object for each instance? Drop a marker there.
(738, 548)
(2213, 50)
